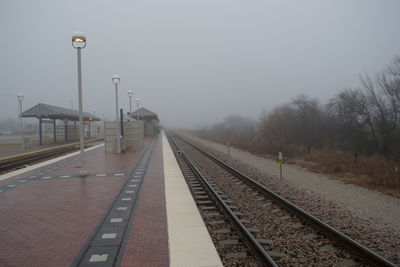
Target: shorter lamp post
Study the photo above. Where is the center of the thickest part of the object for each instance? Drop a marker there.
(137, 106)
(20, 98)
(79, 42)
(116, 79)
(130, 94)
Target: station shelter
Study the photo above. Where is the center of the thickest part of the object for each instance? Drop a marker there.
(49, 114)
(150, 120)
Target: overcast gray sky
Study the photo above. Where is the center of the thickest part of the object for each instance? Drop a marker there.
(192, 62)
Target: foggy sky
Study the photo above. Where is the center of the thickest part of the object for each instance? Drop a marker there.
(192, 62)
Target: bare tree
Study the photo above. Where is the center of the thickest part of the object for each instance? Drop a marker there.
(364, 120)
(274, 127)
(394, 67)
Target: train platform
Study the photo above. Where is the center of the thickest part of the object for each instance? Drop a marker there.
(133, 209)
(7, 150)
(14, 149)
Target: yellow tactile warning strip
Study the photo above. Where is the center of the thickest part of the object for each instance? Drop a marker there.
(189, 241)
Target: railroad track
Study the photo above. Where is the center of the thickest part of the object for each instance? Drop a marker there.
(273, 230)
(234, 246)
(19, 161)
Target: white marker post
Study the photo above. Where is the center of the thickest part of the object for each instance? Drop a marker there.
(280, 164)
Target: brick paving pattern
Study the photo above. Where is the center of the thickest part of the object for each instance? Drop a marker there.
(148, 239)
(71, 162)
(45, 222)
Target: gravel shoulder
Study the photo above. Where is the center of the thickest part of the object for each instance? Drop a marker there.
(380, 209)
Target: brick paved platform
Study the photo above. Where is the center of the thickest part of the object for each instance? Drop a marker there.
(49, 213)
(148, 240)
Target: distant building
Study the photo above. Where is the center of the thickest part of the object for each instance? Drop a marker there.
(149, 118)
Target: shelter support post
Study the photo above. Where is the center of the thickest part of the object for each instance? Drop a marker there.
(40, 132)
(66, 131)
(54, 131)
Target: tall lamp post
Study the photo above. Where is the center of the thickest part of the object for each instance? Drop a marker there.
(20, 98)
(137, 105)
(79, 42)
(130, 94)
(116, 81)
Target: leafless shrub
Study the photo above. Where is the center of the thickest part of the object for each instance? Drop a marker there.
(360, 125)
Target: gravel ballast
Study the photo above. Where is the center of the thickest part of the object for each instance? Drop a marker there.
(381, 209)
(367, 216)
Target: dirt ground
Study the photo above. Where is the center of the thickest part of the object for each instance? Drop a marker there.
(381, 209)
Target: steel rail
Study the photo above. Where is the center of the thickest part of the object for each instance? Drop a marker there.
(25, 161)
(350, 244)
(254, 246)
(16, 161)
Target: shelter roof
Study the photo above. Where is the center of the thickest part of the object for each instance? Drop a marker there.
(53, 112)
(144, 114)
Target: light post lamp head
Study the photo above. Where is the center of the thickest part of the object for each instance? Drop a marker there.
(137, 101)
(116, 79)
(20, 97)
(130, 93)
(78, 40)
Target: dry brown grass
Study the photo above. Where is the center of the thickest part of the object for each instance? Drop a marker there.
(373, 172)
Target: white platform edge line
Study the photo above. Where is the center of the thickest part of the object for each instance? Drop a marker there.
(41, 164)
(174, 258)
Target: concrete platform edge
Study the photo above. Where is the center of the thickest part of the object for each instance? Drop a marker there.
(189, 243)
